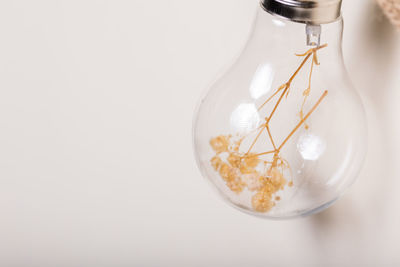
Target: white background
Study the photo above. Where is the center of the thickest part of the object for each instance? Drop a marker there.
(96, 162)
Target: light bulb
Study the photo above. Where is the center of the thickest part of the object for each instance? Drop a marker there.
(282, 133)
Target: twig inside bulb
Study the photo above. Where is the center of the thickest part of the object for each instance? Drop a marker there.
(241, 170)
(303, 120)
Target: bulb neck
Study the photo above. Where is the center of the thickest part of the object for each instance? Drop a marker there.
(304, 11)
(272, 31)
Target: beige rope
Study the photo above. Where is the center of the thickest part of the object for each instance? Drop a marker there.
(392, 10)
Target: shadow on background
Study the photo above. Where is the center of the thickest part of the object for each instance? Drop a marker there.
(346, 223)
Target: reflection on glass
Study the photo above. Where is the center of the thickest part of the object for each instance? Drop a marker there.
(245, 118)
(310, 146)
(278, 23)
(262, 81)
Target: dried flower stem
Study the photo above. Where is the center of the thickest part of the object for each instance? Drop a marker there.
(285, 87)
(264, 153)
(270, 135)
(255, 140)
(242, 170)
(306, 93)
(302, 121)
(272, 96)
(312, 50)
(308, 54)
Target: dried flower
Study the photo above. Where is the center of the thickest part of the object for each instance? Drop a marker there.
(220, 144)
(247, 170)
(236, 185)
(234, 159)
(261, 201)
(216, 162)
(253, 181)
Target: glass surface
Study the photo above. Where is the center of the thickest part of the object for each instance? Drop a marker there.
(296, 153)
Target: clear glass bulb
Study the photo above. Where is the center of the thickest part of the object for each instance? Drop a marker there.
(282, 133)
